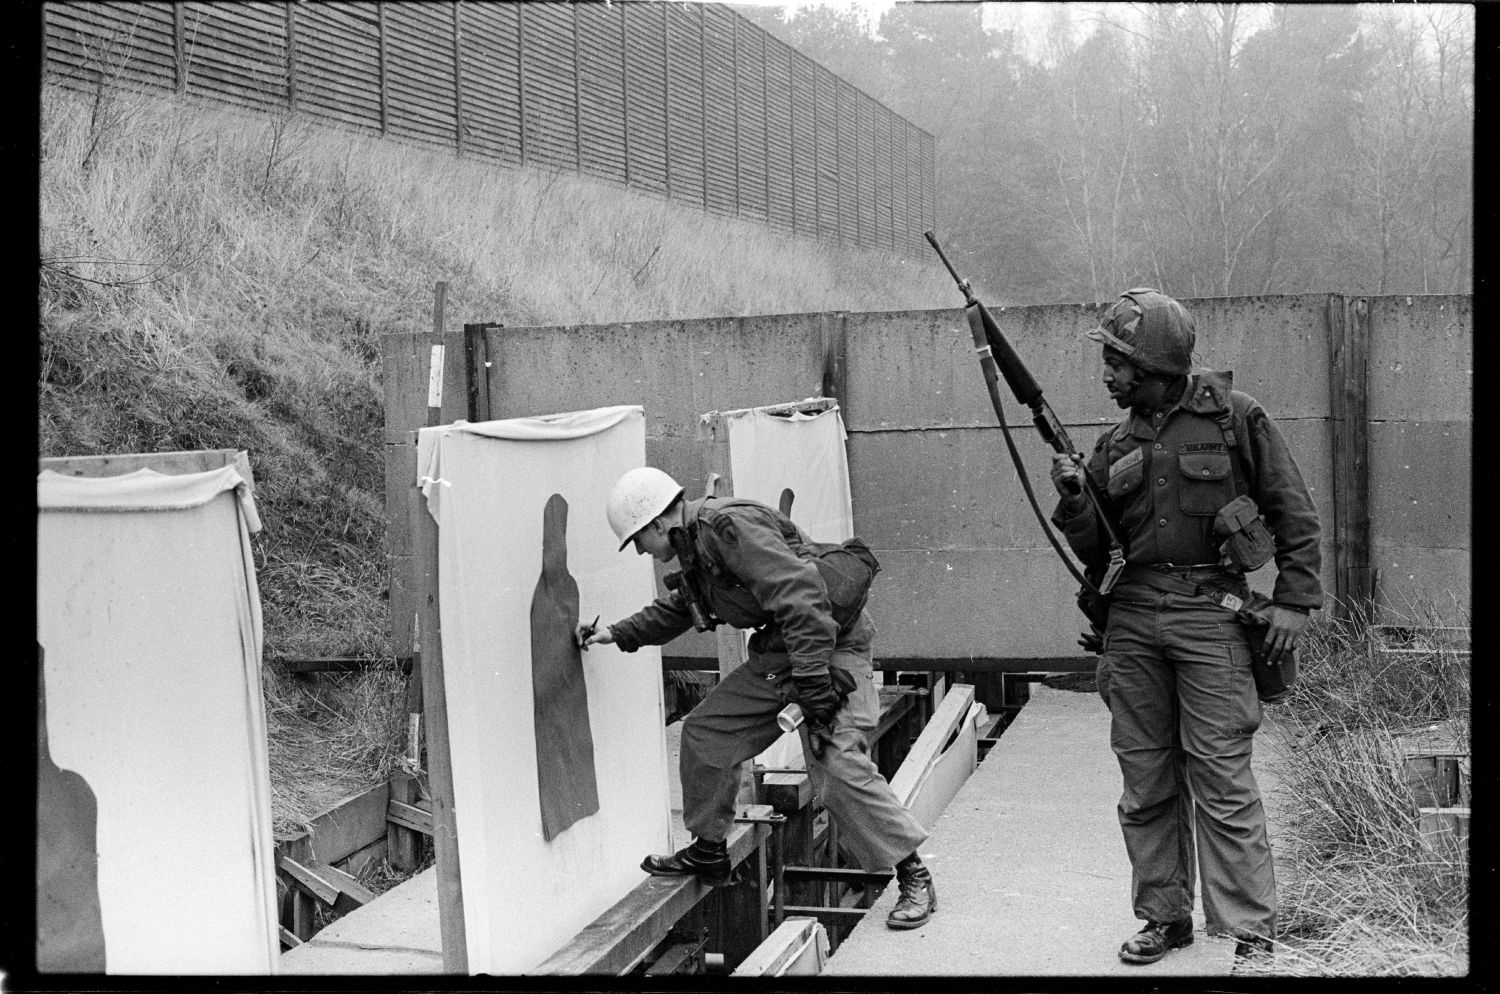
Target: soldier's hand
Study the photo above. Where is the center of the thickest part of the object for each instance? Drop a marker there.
(1285, 628)
(1068, 479)
(586, 637)
(818, 737)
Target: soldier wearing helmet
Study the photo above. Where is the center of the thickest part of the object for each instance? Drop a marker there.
(750, 566)
(1202, 489)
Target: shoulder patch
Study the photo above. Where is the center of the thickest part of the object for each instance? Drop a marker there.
(723, 527)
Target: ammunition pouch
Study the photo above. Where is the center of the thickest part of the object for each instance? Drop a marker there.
(1273, 681)
(847, 569)
(1245, 541)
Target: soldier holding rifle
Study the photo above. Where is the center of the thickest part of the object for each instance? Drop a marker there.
(1201, 488)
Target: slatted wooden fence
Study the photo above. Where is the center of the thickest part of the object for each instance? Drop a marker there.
(689, 101)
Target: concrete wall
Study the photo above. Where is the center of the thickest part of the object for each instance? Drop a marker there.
(968, 571)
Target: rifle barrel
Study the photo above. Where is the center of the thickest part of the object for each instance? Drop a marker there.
(963, 284)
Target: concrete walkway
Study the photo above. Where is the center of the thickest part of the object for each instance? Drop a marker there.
(1030, 869)
(397, 933)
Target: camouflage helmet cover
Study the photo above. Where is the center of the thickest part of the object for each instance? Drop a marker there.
(1150, 329)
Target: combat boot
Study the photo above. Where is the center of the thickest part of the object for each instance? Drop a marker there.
(918, 901)
(1156, 940)
(708, 860)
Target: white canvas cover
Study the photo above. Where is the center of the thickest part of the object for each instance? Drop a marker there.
(769, 452)
(803, 452)
(149, 617)
(487, 486)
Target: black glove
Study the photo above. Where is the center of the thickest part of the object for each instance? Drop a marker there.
(817, 696)
(1092, 641)
(821, 696)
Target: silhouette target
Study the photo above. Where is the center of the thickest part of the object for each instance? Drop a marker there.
(69, 921)
(564, 744)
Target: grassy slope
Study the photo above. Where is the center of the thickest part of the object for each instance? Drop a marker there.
(218, 280)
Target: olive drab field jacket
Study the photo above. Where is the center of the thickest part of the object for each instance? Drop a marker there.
(754, 578)
(1166, 477)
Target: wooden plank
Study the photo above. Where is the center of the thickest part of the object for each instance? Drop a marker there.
(833, 919)
(618, 939)
(779, 949)
(1444, 827)
(1434, 779)
(401, 840)
(410, 816)
(989, 664)
(289, 939)
(786, 793)
(945, 721)
(356, 893)
(343, 664)
(836, 874)
(444, 817)
(310, 880)
(349, 826)
(676, 958)
(302, 913)
(357, 862)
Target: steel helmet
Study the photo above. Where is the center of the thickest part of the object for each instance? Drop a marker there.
(637, 498)
(1151, 329)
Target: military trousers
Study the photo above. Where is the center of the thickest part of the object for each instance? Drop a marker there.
(737, 721)
(1175, 674)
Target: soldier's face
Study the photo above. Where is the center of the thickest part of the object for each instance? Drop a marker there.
(1121, 378)
(652, 541)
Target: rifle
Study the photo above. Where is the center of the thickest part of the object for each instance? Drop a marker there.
(997, 359)
(686, 581)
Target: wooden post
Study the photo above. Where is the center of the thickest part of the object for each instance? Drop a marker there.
(734, 84)
(291, 57)
(458, 82)
(666, 96)
(834, 329)
(381, 68)
(435, 711)
(702, 97)
(1348, 388)
(179, 44)
(477, 370)
(401, 842)
(521, 78)
(577, 94)
(744, 909)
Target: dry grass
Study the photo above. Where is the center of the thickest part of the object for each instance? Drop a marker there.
(1363, 893)
(212, 279)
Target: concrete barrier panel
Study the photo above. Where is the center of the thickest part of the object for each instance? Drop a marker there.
(954, 603)
(1422, 358)
(1276, 346)
(930, 476)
